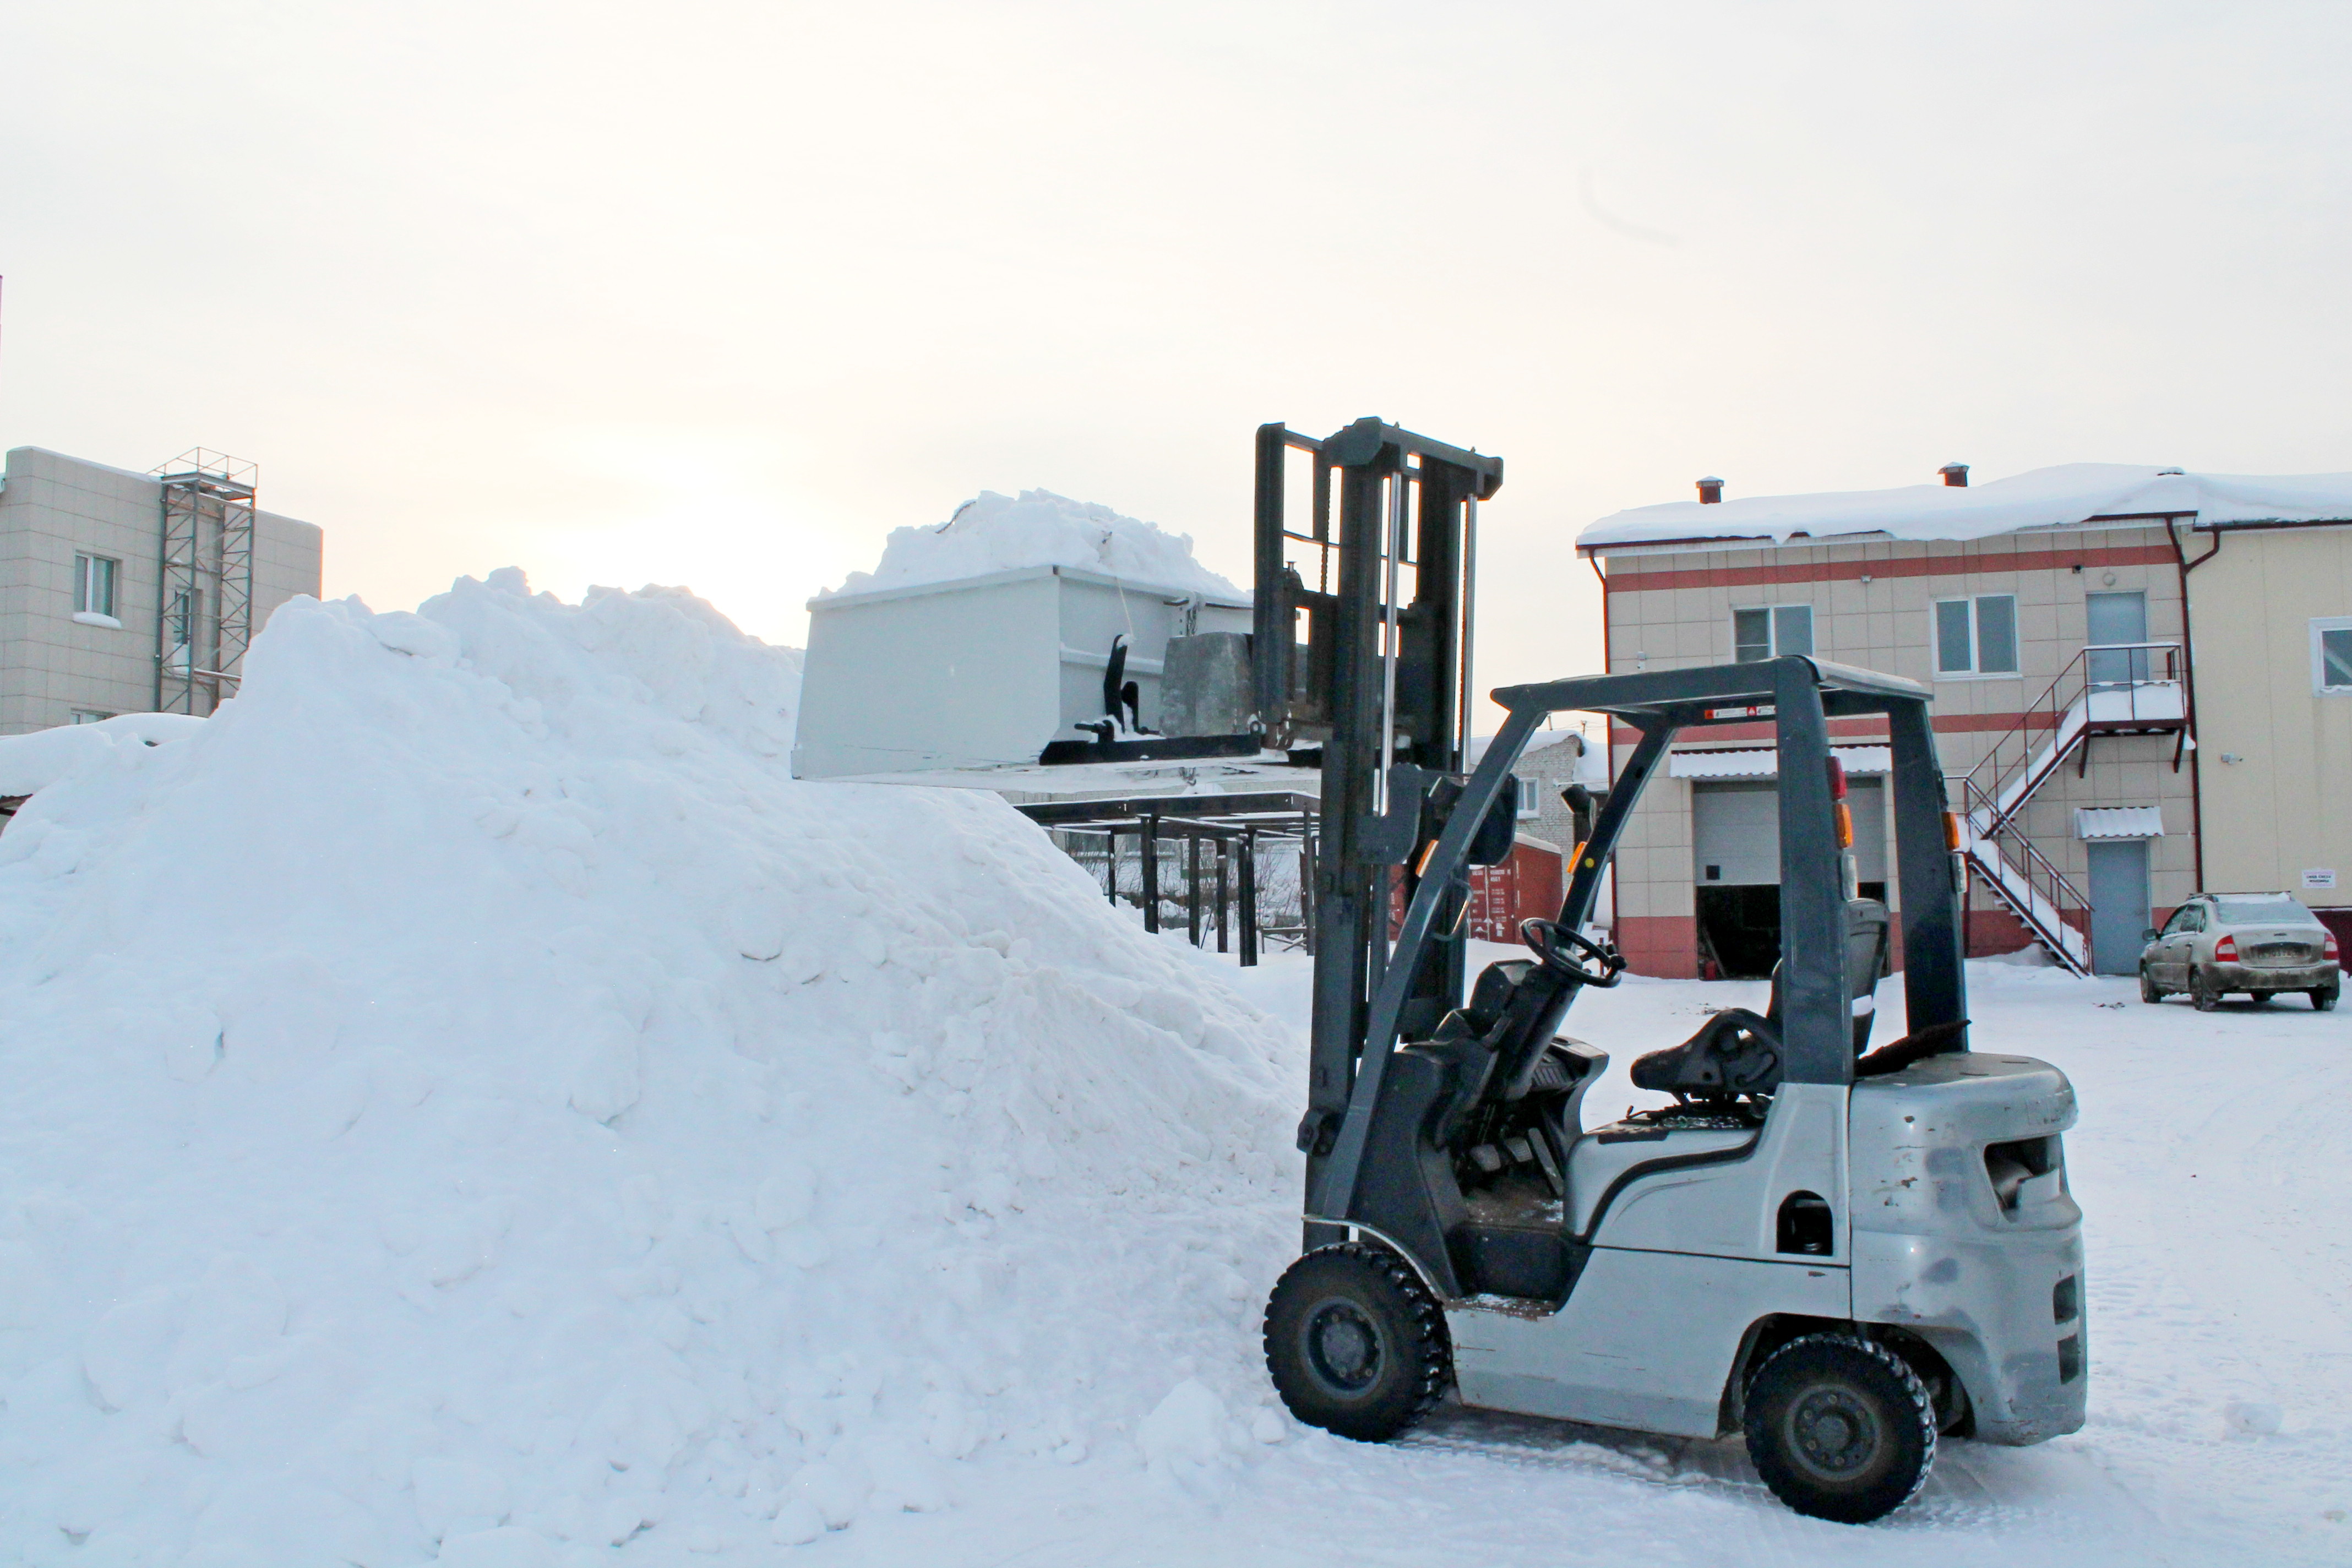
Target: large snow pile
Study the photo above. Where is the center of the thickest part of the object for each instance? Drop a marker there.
(999, 533)
(2044, 497)
(466, 1098)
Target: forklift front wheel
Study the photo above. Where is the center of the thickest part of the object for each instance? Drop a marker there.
(1355, 1343)
(1839, 1427)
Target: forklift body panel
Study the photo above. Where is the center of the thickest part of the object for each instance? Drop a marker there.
(1612, 1358)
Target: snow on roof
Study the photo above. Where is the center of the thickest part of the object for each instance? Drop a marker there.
(993, 533)
(2044, 497)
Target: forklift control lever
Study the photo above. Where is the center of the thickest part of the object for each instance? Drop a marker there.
(1564, 953)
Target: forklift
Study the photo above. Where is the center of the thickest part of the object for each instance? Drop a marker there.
(1840, 1253)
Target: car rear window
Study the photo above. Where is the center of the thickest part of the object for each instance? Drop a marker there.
(2262, 912)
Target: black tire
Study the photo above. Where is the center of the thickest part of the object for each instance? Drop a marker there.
(1839, 1428)
(2202, 994)
(2149, 991)
(1355, 1343)
(2322, 998)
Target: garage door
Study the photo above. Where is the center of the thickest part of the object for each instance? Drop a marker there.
(1735, 832)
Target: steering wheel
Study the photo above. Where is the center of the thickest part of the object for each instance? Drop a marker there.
(1565, 952)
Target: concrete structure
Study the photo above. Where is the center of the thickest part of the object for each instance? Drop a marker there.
(1551, 764)
(83, 629)
(2272, 611)
(2051, 614)
(983, 671)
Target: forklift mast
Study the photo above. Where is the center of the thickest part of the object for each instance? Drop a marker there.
(1369, 661)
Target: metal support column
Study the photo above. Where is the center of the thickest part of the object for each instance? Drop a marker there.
(1150, 846)
(1249, 898)
(1224, 859)
(1192, 889)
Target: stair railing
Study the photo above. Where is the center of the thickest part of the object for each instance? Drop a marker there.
(2112, 684)
(2052, 907)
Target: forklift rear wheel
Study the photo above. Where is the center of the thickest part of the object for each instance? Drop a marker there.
(1839, 1428)
(1354, 1343)
(2202, 994)
(2149, 991)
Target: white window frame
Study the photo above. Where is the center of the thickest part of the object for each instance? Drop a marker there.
(89, 716)
(1976, 654)
(87, 578)
(1772, 648)
(2320, 624)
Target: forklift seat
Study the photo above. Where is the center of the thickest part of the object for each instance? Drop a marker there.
(1738, 1052)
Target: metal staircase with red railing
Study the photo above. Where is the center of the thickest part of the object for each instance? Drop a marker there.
(2117, 689)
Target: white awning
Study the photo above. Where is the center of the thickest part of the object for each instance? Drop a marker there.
(1765, 763)
(2118, 822)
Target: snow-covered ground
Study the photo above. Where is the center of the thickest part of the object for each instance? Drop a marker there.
(2211, 1162)
(466, 1102)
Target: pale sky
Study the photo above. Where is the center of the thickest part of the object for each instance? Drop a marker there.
(717, 293)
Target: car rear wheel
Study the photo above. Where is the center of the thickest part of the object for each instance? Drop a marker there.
(2322, 998)
(2201, 993)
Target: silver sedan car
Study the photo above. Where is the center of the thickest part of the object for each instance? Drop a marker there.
(2260, 944)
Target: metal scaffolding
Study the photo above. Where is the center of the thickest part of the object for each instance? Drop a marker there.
(204, 610)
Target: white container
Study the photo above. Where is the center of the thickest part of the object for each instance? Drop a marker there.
(983, 671)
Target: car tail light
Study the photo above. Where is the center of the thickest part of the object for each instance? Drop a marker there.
(2226, 950)
(2328, 947)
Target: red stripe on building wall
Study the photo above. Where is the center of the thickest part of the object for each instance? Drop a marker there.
(1628, 579)
(1852, 729)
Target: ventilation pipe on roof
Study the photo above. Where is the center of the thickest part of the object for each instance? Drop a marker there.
(1956, 475)
(1710, 491)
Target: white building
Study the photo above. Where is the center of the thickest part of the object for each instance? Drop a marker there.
(2052, 616)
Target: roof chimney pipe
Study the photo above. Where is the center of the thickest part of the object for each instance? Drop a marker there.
(1710, 491)
(1956, 475)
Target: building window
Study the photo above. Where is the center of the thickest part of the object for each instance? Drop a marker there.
(1976, 637)
(87, 716)
(1771, 631)
(94, 584)
(2331, 654)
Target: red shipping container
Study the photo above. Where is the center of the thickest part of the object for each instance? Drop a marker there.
(1527, 886)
